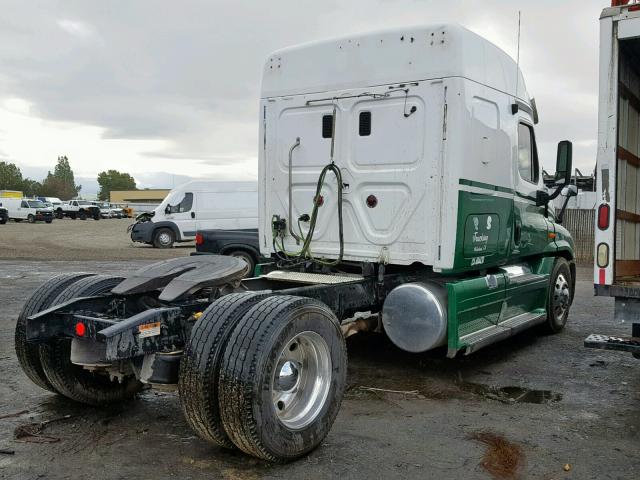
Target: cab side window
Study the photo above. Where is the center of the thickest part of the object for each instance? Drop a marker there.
(185, 204)
(527, 154)
(24, 205)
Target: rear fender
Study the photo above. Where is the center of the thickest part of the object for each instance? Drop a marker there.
(241, 246)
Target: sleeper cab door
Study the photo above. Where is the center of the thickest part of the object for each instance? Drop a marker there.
(530, 229)
(526, 287)
(183, 215)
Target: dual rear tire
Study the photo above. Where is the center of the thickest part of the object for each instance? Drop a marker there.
(49, 366)
(262, 373)
(265, 374)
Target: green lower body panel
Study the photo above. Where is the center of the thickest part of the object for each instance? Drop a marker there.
(483, 310)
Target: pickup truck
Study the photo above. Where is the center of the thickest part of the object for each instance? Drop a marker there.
(81, 209)
(234, 243)
(4, 216)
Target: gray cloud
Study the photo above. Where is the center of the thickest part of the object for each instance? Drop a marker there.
(189, 72)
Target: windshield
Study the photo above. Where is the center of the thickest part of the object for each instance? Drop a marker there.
(36, 204)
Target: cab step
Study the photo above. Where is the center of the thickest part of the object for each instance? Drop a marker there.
(477, 340)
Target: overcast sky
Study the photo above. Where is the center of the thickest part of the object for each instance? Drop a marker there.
(166, 89)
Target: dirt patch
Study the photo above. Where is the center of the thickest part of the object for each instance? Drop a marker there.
(66, 239)
(502, 459)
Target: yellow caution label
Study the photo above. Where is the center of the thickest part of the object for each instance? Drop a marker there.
(149, 330)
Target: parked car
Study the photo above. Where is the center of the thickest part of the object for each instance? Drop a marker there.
(20, 209)
(81, 209)
(198, 205)
(117, 211)
(243, 244)
(105, 209)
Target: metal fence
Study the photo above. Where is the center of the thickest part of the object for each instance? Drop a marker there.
(580, 223)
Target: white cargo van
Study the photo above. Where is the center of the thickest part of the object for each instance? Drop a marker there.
(27, 209)
(198, 205)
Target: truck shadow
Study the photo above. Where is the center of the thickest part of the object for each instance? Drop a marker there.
(379, 368)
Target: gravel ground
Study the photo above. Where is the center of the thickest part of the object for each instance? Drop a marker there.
(67, 239)
(570, 405)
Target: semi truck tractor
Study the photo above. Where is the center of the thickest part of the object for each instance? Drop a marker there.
(398, 178)
(617, 225)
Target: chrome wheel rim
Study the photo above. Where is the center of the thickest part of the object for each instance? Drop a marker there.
(561, 297)
(164, 238)
(301, 380)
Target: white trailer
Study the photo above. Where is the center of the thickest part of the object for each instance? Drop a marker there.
(617, 232)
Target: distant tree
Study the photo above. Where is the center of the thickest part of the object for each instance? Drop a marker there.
(60, 183)
(31, 188)
(10, 176)
(114, 180)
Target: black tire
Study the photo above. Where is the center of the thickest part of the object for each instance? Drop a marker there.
(31, 218)
(163, 238)
(3, 220)
(29, 354)
(248, 258)
(48, 221)
(248, 370)
(200, 365)
(559, 297)
(59, 214)
(72, 215)
(82, 215)
(97, 216)
(73, 381)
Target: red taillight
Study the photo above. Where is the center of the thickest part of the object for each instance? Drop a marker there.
(634, 8)
(80, 329)
(603, 216)
(319, 200)
(199, 239)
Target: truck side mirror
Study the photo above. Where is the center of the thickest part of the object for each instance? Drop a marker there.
(563, 162)
(563, 167)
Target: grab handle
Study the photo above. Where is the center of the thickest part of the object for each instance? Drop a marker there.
(293, 147)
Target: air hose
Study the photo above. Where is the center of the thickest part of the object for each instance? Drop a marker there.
(305, 252)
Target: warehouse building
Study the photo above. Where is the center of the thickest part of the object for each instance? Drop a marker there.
(148, 195)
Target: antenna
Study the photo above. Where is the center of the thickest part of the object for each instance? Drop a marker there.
(518, 57)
